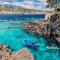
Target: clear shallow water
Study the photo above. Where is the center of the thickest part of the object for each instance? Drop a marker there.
(13, 35)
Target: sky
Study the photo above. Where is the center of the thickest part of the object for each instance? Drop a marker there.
(30, 4)
(21, 0)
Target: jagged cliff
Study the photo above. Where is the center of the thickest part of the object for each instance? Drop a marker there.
(55, 24)
(55, 19)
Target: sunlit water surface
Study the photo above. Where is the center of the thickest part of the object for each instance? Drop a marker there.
(13, 35)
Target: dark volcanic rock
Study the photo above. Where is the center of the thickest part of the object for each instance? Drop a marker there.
(55, 27)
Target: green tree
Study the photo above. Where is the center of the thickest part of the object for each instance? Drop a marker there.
(52, 3)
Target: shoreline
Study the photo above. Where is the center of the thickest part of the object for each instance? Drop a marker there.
(33, 27)
(7, 54)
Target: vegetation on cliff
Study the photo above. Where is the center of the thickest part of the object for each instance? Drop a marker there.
(53, 3)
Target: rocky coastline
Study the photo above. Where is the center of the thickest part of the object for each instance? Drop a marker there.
(49, 29)
(7, 54)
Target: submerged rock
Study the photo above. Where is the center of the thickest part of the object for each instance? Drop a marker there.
(31, 44)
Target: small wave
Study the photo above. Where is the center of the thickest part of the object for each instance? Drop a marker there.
(52, 47)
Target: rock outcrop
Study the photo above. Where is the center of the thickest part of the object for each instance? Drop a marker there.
(55, 24)
(50, 30)
(7, 54)
(23, 54)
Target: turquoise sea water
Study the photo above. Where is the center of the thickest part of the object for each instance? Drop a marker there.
(13, 35)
